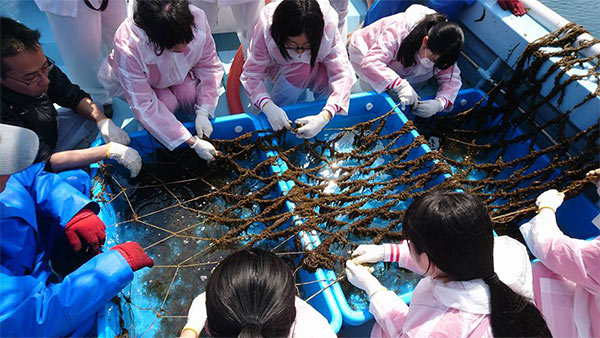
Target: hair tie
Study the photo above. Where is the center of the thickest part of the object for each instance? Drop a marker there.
(493, 278)
(251, 321)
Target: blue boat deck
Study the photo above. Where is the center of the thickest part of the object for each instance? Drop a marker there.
(494, 42)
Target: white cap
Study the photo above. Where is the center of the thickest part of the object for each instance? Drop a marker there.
(18, 148)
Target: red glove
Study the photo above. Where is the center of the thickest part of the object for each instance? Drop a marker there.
(134, 255)
(87, 227)
(515, 6)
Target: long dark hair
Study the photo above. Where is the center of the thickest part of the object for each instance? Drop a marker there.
(294, 17)
(455, 231)
(166, 22)
(445, 39)
(251, 293)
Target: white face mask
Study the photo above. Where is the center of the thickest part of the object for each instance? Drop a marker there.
(302, 57)
(426, 62)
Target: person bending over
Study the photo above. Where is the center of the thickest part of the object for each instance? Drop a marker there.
(474, 285)
(164, 58)
(405, 50)
(297, 46)
(251, 293)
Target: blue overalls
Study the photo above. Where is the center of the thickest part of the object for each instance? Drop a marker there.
(34, 208)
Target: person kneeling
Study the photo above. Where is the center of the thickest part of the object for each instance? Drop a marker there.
(297, 46)
(164, 59)
(251, 293)
(405, 50)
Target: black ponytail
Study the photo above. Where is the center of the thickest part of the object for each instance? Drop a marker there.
(454, 229)
(445, 39)
(251, 328)
(251, 293)
(512, 315)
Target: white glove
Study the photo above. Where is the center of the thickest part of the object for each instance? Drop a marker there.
(406, 94)
(126, 156)
(276, 116)
(204, 149)
(551, 199)
(428, 108)
(360, 277)
(368, 253)
(595, 172)
(203, 125)
(111, 133)
(312, 125)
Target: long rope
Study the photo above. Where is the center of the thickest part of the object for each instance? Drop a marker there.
(354, 187)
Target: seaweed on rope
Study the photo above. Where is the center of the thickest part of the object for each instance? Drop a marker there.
(343, 216)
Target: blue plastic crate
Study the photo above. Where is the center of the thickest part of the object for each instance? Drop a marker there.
(363, 107)
(574, 216)
(579, 210)
(227, 127)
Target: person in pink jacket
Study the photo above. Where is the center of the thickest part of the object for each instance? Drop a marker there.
(296, 45)
(566, 280)
(474, 285)
(404, 51)
(164, 58)
(251, 293)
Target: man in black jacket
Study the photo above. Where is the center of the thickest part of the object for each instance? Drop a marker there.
(31, 84)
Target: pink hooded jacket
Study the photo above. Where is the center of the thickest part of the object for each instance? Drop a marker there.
(566, 280)
(265, 61)
(309, 322)
(373, 51)
(451, 309)
(133, 70)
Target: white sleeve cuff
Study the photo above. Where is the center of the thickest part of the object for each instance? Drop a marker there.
(539, 230)
(207, 109)
(197, 313)
(385, 301)
(396, 253)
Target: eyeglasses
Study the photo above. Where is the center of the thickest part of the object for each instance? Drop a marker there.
(46, 68)
(297, 48)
